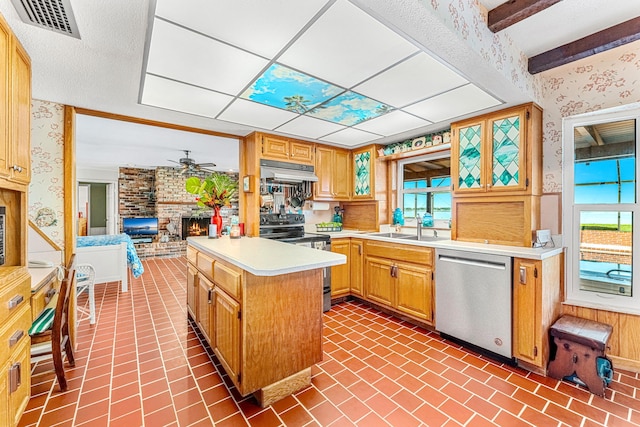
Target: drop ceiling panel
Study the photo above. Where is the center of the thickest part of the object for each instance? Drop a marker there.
(349, 109)
(350, 137)
(392, 123)
(412, 80)
(183, 55)
(163, 93)
(264, 29)
(254, 114)
(346, 46)
(458, 102)
(309, 127)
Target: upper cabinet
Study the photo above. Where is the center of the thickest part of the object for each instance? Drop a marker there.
(15, 114)
(333, 168)
(364, 173)
(288, 150)
(498, 153)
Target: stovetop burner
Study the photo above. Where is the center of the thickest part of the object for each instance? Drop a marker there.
(278, 219)
(287, 228)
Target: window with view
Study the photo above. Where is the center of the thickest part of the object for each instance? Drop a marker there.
(600, 205)
(426, 187)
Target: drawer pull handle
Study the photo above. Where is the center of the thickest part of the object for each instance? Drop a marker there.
(13, 340)
(50, 294)
(15, 301)
(14, 377)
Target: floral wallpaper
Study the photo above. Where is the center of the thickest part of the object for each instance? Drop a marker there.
(46, 204)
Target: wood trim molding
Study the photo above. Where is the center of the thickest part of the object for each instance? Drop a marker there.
(37, 229)
(148, 122)
(514, 11)
(69, 189)
(601, 41)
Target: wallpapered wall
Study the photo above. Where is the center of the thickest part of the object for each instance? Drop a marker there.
(46, 204)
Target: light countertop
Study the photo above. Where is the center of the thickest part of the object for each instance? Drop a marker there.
(264, 257)
(40, 276)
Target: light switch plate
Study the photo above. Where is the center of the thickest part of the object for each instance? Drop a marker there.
(543, 236)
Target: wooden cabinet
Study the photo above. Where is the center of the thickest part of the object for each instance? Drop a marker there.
(192, 290)
(400, 277)
(536, 305)
(15, 111)
(288, 150)
(227, 334)
(341, 274)
(333, 168)
(44, 296)
(364, 173)
(205, 307)
(498, 153)
(355, 260)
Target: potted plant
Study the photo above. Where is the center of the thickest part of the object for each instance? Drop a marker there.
(214, 191)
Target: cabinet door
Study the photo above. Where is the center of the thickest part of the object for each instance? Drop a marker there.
(341, 274)
(301, 152)
(526, 310)
(227, 333)
(378, 280)
(20, 388)
(363, 174)
(275, 148)
(20, 159)
(205, 307)
(342, 175)
(192, 290)
(5, 99)
(467, 157)
(324, 170)
(506, 154)
(355, 259)
(414, 287)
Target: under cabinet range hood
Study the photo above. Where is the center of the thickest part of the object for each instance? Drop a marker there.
(273, 170)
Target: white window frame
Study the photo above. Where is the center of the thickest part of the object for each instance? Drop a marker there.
(400, 178)
(571, 217)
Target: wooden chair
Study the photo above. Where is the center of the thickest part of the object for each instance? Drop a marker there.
(50, 331)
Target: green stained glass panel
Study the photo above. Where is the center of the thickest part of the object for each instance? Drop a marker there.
(469, 161)
(363, 173)
(506, 152)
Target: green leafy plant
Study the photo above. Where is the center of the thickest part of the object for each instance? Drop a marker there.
(214, 191)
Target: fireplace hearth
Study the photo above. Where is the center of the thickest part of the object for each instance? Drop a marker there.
(195, 226)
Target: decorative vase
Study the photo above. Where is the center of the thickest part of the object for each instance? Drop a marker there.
(217, 220)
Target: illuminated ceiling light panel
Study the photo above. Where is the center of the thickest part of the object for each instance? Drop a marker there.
(455, 103)
(183, 55)
(392, 123)
(417, 78)
(259, 32)
(290, 90)
(350, 137)
(349, 109)
(309, 127)
(163, 93)
(254, 114)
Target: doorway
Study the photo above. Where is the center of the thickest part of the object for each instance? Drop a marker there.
(95, 208)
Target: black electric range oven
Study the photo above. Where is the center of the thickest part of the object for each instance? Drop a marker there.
(289, 228)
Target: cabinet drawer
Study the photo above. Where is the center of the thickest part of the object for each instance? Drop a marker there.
(192, 254)
(15, 332)
(14, 297)
(46, 296)
(205, 264)
(228, 278)
(410, 253)
(19, 381)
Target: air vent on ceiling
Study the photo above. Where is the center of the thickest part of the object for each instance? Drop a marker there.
(54, 15)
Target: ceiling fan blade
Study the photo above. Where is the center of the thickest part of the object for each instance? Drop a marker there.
(173, 161)
(207, 165)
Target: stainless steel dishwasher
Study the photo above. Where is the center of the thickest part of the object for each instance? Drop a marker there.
(473, 298)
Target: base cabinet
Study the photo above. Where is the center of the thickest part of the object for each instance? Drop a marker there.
(414, 290)
(536, 305)
(205, 303)
(356, 262)
(227, 333)
(192, 290)
(341, 274)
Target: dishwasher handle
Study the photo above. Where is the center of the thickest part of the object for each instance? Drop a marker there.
(473, 262)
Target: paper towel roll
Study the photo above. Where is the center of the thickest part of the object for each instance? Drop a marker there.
(319, 206)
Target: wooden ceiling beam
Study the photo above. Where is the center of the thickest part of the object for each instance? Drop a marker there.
(514, 11)
(601, 41)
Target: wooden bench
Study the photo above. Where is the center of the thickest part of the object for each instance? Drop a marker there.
(579, 344)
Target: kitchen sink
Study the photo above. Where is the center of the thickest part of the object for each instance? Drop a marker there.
(392, 235)
(423, 238)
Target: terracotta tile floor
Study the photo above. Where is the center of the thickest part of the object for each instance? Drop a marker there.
(142, 364)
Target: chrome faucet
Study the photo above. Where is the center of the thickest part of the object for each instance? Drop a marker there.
(419, 227)
(435, 233)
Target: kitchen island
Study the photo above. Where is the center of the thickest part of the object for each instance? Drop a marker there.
(258, 303)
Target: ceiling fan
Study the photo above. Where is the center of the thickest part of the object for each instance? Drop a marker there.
(190, 166)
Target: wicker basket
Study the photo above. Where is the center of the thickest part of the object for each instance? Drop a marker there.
(327, 228)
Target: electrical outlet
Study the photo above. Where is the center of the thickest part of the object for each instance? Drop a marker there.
(543, 236)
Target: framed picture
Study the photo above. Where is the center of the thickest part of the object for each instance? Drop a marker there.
(246, 184)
